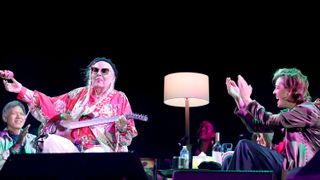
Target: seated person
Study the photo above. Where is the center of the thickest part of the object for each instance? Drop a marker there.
(97, 99)
(14, 139)
(298, 117)
(205, 139)
(264, 139)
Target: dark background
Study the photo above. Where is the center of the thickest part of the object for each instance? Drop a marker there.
(48, 55)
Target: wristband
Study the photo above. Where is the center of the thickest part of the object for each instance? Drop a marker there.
(62, 116)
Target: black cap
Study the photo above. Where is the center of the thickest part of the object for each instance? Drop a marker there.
(98, 59)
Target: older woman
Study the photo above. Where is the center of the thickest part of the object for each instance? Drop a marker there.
(98, 100)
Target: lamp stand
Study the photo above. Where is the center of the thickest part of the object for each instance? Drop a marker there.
(187, 121)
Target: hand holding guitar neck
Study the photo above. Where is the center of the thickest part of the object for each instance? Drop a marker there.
(121, 124)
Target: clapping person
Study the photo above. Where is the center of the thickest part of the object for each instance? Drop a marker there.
(15, 139)
(299, 118)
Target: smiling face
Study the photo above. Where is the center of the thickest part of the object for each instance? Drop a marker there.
(291, 87)
(15, 119)
(282, 94)
(102, 75)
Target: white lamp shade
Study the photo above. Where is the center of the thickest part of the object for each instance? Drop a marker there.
(182, 85)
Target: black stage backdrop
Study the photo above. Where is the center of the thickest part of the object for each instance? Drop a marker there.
(50, 58)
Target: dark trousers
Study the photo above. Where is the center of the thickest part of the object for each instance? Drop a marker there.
(249, 155)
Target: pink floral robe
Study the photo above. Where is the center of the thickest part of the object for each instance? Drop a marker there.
(48, 110)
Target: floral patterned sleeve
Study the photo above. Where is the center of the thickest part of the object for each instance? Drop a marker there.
(125, 138)
(43, 107)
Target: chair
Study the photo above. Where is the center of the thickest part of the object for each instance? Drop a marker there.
(149, 166)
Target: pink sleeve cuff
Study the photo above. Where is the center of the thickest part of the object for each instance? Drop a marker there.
(22, 93)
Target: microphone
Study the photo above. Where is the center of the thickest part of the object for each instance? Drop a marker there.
(183, 141)
(36, 139)
(37, 142)
(6, 74)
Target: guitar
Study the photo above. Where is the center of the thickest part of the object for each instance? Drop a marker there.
(99, 121)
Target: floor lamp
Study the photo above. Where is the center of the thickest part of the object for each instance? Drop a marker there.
(186, 89)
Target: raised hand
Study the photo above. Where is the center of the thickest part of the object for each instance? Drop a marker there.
(233, 89)
(245, 90)
(13, 86)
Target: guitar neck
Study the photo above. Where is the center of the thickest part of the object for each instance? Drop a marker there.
(97, 121)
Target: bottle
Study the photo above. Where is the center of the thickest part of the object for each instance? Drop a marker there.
(184, 158)
(217, 149)
(217, 145)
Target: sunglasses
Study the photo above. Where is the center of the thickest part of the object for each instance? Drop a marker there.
(96, 70)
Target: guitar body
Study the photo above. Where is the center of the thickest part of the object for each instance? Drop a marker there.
(54, 128)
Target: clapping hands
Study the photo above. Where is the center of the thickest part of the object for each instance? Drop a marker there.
(233, 89)
(22, 136)
(241, 91)
(245, 90)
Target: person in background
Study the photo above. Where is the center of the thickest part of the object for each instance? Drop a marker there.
(264, 139)
(205, 139)
(270, 140)
(98, 99)
(299, 119)
(14, 139)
